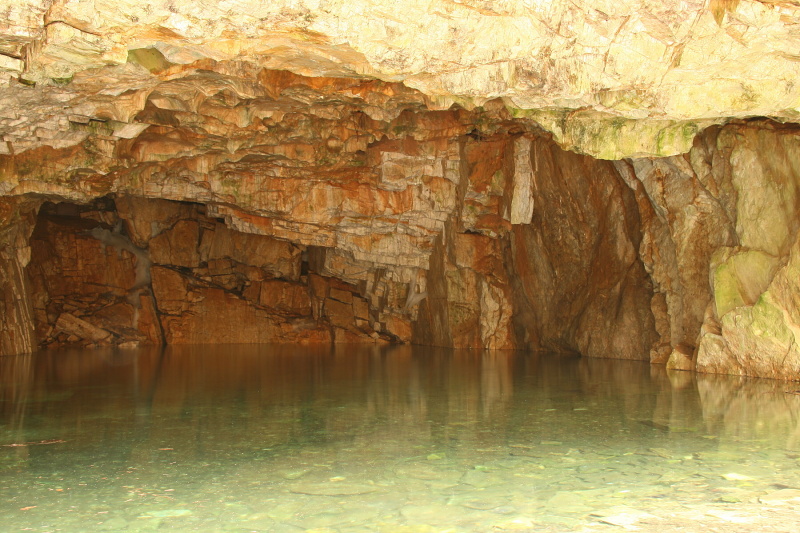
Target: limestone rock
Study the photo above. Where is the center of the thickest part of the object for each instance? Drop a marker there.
(177, 245)
(197, 195)
(193, 280)
(485, 209)
(467, 300)
(604, 80)
(596, 288)
(194, 313)
(523, 194)
(759, 339)
(85, 288)
(741, 277)
(755, 315)
(72, 325)
(681, 358)
(683, 223)
(719, 239)
(287, 297)
(145, 218)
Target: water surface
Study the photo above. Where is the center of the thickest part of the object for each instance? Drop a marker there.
(286, 439)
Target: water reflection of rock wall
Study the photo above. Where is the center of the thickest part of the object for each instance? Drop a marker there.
(381, 398)
(290, 396)
(749, 409)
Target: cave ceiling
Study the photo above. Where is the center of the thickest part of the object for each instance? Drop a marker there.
(607, 78)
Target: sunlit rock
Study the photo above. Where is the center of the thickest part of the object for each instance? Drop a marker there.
(752, 328)
(643, 79)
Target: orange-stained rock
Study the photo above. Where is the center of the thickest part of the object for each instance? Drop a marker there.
(276, 258)
(360, 308)
(580, 285)
(348, 336)
(177, 245)
(341, 295)
(340, 314)
(171, 291)
(319, 286)
(398, 327)
(194, 313)
(274, 206)
(144, 218)
(486, 197)
(70, 262)
(147, 320)
(468, 302)
(17, 330)
(90, 285)
(684, 221)
(285, 296)
(479, 253)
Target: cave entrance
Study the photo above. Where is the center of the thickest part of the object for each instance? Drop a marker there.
(131, 271)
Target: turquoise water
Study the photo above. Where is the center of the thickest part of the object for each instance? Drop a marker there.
(289, 439)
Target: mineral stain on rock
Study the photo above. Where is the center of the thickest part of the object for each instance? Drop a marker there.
(165, 179)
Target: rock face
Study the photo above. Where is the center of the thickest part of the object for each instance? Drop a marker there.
(753, 321)
(579, 254)
(86, 281)
(17, 218)
(257, 172)
(720, 242)
(320, 224)
(473, 229)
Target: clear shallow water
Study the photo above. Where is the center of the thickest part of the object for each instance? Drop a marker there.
(285, 439)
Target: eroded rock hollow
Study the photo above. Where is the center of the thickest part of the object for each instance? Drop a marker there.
(275, 189)
(449, 228)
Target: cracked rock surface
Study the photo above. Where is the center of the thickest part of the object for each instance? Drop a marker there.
(606, 78)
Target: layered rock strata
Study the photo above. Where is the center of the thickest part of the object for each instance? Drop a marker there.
(242, 205)
(326, 211)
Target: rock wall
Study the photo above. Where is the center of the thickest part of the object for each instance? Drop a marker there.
(577, 264)
(720, 243)
(244, 214)
(136, 271)
(87, 279)
(754, 319)
(17, 217)
(265, 206)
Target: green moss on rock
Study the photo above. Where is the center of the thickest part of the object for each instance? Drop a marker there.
(606, 136)
(742, 278)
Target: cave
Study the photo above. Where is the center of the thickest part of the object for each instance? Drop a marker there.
(482, 266)
(459, 229)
